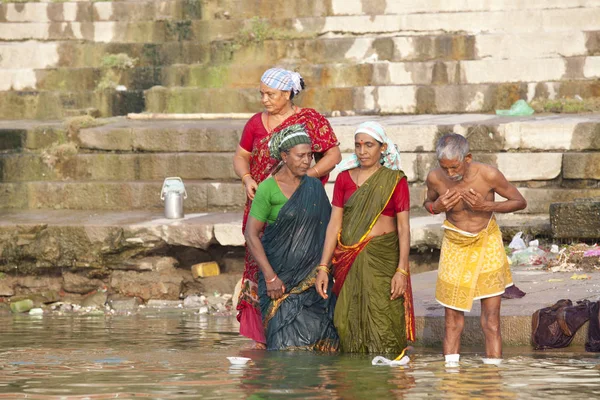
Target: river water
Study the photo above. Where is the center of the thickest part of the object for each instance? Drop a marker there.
(182, 355)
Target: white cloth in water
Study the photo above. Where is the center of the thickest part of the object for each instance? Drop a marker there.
(379, 360)
(492, 361)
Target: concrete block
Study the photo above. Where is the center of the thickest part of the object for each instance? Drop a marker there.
(529, 166)
(109, 138)
(205, 269)
(581, 166)
(591, 68)
(29, 54)
(512, 45)
(576, 220)
(513, 70)
(538, 135)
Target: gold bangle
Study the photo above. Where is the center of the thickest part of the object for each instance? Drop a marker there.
(324, 268)
(245, 175)
(317, 171)
(271, 280)
(402, 271)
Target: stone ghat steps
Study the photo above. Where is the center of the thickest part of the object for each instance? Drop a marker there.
(413, 133)
(316, 75)
(513, 21)
(203, 196)
(84, 10)
(57, 164)
(57, 104)
(35, 54)
(392, 99)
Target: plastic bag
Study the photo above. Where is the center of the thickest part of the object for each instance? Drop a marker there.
(379, 360)
(520, 107)
(532, 255)
(517, 243)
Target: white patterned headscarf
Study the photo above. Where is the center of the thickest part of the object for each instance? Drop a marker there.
(390, 157)
(282, 79)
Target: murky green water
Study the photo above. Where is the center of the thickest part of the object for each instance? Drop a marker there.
(174, 355)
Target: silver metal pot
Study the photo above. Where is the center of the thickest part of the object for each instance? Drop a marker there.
(173, 193)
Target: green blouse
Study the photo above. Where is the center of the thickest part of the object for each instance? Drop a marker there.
(267, 202)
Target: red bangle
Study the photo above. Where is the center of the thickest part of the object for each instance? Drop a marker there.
(431, 208)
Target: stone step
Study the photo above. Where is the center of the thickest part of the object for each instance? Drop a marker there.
(203, 196)
(88, 11)
(315, 75)
(414, 134)
(60, 164)
(486, 133)
(34, 54)
(398, 99)
(48, 105)
(243, 9)
(140, 195)
(159, 31)
(471, 22)
(57, 164)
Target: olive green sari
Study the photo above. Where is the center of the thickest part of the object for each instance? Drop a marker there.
(366, 320)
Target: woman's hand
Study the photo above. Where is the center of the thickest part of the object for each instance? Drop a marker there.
(250, 185)
(399, 283)
(321, 284)
(275, 289)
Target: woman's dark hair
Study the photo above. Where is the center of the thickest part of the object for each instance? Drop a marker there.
(301, 85)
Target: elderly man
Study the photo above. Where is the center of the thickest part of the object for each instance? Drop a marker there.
(473, 264)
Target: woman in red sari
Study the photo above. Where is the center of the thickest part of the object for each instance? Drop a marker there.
(253, 164)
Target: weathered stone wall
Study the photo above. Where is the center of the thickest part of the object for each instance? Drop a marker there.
(388, 56)
(121, 164)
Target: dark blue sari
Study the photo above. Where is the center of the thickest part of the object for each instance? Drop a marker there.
(301, 319)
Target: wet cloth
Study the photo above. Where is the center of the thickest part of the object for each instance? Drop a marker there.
(255, 139)
(472, 266)
(301, 319)
(365, 317)
(287, 138)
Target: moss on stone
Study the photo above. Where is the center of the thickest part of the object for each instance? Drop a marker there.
(567, 105)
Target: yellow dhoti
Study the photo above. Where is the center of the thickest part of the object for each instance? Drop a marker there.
(472, 266)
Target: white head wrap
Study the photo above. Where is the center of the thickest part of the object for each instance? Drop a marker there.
(390, 157)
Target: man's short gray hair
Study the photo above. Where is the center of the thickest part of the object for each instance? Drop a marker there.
(452, 146)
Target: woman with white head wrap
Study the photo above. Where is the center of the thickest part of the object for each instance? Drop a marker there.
(253, 163)
(367, 244)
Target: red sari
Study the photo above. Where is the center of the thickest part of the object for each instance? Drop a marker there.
(255, 139)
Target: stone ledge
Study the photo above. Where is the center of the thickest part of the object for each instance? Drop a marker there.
(516, 313)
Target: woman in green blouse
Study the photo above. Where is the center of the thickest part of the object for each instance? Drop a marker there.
(296, 211)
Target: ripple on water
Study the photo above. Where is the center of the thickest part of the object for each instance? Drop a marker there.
(183, 355)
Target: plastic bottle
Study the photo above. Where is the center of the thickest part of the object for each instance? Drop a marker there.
(21, 306)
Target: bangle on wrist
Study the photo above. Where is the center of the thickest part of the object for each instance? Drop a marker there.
(245, 175)
(317, 171)
(402, 271)
(322, 267)
(271, 280)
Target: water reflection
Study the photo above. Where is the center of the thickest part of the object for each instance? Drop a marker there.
(167, 355)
